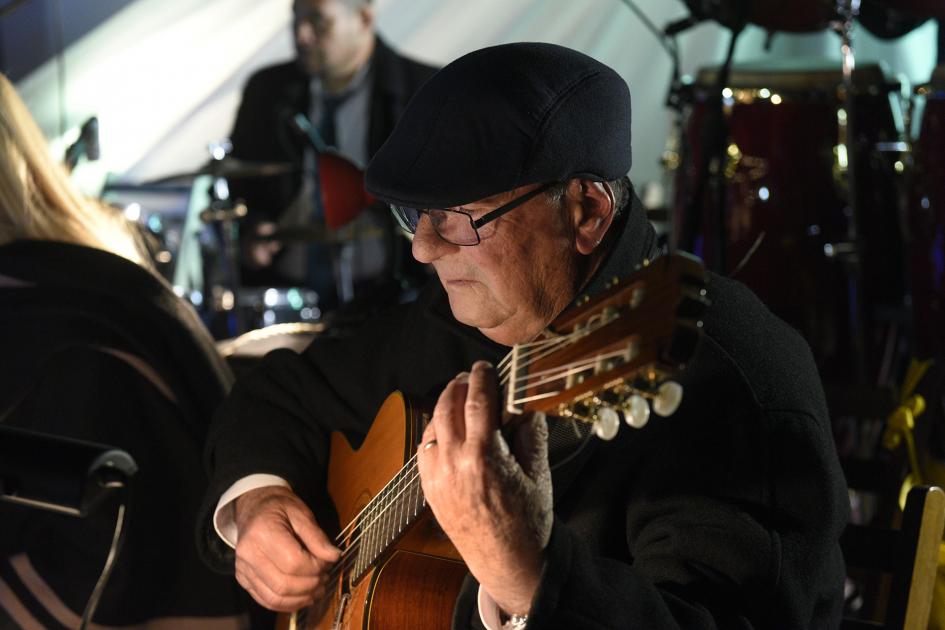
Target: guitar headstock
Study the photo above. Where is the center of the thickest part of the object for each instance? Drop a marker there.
(611, 357)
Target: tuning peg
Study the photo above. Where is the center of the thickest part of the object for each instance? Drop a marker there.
(636, 411)
(606, 423)
(667, 399)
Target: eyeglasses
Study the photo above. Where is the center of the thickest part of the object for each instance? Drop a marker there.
(457, 226)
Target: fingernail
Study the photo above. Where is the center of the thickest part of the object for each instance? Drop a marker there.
(482, 365)
(462, 377)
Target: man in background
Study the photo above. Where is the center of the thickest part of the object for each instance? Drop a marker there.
(346, 88)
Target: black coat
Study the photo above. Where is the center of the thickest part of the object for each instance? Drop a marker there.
(64, 336)
(263, 132)
(725, 515)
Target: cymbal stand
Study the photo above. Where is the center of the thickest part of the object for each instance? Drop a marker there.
(224, 215)
(847, 10)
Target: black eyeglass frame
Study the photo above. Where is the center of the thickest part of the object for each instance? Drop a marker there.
(489, 217)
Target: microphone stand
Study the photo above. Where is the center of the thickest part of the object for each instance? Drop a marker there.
(341, 260)
(66, 476)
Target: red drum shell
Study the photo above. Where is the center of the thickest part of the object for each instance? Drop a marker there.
(796, 16)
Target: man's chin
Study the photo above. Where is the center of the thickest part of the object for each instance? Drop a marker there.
(467, 310)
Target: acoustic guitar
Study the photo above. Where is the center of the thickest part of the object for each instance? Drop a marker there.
(604, 362)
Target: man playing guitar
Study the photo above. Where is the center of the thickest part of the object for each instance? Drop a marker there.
(508, 167)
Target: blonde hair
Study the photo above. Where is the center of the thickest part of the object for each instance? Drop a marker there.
(39, 201)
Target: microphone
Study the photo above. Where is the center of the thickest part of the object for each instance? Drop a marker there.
(300, 123)
(59, 474)
(86, 145)
(89, 133)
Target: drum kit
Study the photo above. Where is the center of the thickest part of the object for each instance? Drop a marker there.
(816, 193)
(193, 224)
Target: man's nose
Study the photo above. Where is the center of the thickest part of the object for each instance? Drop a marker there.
(427, 244)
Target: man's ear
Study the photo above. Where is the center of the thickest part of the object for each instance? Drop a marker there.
(366, 13)
(593, 206)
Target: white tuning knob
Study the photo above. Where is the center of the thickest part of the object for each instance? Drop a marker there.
(668, 397)
(607, 423)
(636, 411)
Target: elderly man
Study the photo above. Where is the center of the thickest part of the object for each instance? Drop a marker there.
(509, 168)
(351, 87)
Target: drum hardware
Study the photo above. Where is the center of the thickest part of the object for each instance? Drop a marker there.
(925, 220)
(323, 234)
(224, 212)
(228, 168)
(263, 307)
(847, 168)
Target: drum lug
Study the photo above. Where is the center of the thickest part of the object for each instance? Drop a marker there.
(841, 251)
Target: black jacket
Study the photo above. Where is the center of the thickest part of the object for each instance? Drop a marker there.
(725, 515)
(66, 337)
(263, 132)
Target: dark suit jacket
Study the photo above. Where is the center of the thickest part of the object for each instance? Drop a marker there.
(263, 132)
(725, 515)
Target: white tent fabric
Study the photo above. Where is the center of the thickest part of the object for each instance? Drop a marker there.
(164, 77)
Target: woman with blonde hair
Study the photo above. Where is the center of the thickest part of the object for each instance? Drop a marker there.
(97, 347)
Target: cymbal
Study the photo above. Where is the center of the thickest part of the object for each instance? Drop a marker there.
(322, 234)
(231, 168)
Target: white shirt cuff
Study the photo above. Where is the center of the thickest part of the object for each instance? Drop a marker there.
(489, 612)
(224, 517)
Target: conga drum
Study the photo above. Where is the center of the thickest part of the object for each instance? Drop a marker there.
(786, 227)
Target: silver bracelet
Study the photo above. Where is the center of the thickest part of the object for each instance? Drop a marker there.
(516, 622)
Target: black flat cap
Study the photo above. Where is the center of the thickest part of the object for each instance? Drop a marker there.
(503, 117)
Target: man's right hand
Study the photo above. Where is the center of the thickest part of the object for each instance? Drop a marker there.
(283, 557)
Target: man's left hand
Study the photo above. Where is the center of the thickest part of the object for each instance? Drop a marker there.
(493, 502)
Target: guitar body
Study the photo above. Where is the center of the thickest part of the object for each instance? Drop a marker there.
(413, 586)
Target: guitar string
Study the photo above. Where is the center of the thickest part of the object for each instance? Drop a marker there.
(408, 476)
(390, 487)
(547, 376)
(401, 483)
(503, 382)
(385, 503)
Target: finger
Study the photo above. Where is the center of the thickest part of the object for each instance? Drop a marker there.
(429, 433)
(267, 599)
(312, 536)
(530, 445)
(481, 407)
(265, 571)
(281, 603)
(447, 415)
